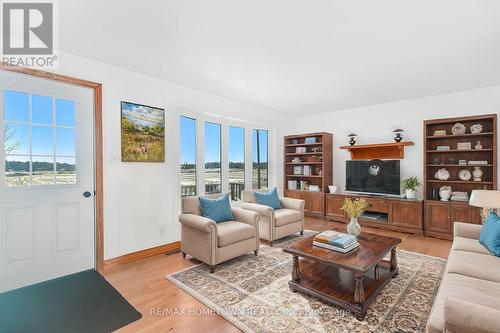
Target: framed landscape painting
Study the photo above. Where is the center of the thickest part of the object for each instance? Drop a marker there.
(143, 133)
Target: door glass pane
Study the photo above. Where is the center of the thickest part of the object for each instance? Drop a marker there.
(42, 110)
(42, 142)
(188, 155)
(213, 174)
(16, 106)
(260, 159)
(65, 170)
(65, 142)
(236, 162)
(65, 112)
(43, 170)
(17, 139)
(17, 171)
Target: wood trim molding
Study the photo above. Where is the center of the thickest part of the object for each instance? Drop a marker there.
(134, 256)
(99, 188)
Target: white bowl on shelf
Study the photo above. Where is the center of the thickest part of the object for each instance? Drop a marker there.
(332, 188)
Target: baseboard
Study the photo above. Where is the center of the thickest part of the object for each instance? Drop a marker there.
(134, 256)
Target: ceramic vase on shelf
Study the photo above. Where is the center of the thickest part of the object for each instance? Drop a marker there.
(411, 194)
(477, 174)
(353, 228)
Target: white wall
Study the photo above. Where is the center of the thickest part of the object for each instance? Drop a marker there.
(141, 200)
(374, 124)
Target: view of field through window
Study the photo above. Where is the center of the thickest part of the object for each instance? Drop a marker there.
(212, 146)
(39, 140)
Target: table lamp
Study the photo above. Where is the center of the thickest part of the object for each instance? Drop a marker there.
(486, 199)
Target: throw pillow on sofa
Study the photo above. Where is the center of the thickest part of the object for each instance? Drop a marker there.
(218, 210)
(490, 234)
(270, 199)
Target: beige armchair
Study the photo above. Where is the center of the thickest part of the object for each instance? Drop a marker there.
(279, 223)
(212, 242)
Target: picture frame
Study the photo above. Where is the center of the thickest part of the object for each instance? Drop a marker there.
(142, 133)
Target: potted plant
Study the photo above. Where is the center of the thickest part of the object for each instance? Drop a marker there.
(354, 209)
(410, 185)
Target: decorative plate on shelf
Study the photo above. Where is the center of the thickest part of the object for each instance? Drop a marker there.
(476, 128)
(442, 174)
(465, 174)
(458, 129)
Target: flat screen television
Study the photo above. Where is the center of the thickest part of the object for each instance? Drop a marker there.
(373, 177)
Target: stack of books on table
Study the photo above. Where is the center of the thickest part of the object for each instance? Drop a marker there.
(335, 241)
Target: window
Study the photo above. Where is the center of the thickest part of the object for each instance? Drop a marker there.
(212, 143)
(259, 158)
(236, 161)
(188, 155)
(39, 140)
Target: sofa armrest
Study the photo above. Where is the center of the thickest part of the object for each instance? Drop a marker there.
(261, 209)
(467, 230)
(246, 216)
(466, 317)
(198, 222)
(291, 203)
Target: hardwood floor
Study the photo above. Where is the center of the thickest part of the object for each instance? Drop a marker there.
(143, 284)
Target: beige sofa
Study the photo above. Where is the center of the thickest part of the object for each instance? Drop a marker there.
(279, 223)
(468, 299)
(212, 242)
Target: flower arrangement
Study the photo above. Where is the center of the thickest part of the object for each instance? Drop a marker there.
(410, 183)
(354, 208)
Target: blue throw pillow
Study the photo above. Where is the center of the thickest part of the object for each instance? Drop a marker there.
(490, 234)
(270, 199)
(218, 210)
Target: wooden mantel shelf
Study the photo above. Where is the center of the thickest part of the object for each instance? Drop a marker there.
(395, 150)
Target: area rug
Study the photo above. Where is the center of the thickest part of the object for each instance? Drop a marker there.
(252, 293)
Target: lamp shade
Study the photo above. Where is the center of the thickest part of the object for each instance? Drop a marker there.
(485, 199)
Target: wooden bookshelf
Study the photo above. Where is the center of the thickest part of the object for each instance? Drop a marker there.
(311, 151)
(439, 216)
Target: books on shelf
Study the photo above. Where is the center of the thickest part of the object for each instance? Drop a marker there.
(477, 162)
(443, 148)
(459, 196)
(335, 241)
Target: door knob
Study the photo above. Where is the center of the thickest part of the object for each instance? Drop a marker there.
(87, 194)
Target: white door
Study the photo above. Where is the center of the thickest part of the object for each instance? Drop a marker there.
(46, 180)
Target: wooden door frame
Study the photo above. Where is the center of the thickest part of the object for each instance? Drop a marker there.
(99, 189)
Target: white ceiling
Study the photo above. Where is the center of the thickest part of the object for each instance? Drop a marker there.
(295, 56)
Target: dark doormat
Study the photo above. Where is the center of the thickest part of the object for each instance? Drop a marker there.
(81, 302)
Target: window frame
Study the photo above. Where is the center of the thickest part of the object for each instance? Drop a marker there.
(30, 125)
(201, 115)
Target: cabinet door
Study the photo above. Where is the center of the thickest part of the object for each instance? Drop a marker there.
(314, 202)
(437, 218)
(465, 214)
(293, 194)
(406, 214)
(333, 204)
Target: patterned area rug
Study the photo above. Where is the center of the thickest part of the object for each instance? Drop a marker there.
(252, 293)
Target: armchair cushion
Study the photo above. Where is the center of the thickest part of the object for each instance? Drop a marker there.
(270, 199)
(286, 216)
(231, 232)
(490, 234)
(218, 210)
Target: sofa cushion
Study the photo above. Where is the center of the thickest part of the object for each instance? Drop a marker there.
(286, 216)
(465, 288)
(270, 199)
(218, 210)
(490, 234)
(481, 266)
(468, 244)
(231, 232)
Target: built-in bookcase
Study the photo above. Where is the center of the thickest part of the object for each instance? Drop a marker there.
(308, 168)
(445, 150)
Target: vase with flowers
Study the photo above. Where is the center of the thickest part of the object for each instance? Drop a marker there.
(354, 208)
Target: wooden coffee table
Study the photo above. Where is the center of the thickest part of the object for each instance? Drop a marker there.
(351, 280)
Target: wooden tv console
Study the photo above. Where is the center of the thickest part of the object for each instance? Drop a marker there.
(405, 215)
